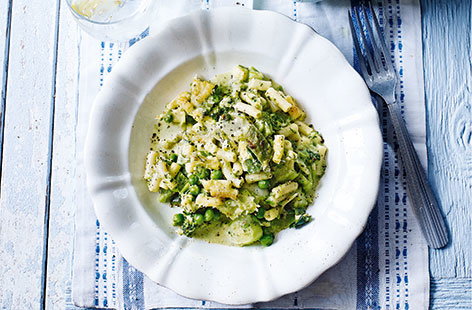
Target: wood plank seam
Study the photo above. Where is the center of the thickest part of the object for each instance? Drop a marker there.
(47, 202)
(63, 202)
(3, 104)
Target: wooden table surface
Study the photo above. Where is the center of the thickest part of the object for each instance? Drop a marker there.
(39, 74)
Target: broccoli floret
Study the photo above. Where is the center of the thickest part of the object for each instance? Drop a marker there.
(192, 223)
(220, 112)
(277, 120)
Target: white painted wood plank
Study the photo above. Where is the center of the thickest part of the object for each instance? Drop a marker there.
(448, 83)
(63, 190)
(25, 153)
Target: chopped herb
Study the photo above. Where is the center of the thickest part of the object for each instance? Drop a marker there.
(302, 221)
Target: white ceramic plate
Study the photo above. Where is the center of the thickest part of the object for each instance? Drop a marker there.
(155, 70)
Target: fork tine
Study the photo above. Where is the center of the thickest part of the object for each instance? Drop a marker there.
(377, 56)
(368, 52)
(357, 46)
(383, 45)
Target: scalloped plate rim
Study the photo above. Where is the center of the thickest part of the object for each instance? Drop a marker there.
(104, 211)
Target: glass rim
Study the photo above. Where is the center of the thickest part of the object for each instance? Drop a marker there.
(84, 18)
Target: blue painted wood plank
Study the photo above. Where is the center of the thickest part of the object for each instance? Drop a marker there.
(448, 81)
(447, 31)
(451, 293)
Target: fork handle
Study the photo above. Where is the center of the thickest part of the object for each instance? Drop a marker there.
(424, 203)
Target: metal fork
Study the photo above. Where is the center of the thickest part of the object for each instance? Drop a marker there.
(379, 73)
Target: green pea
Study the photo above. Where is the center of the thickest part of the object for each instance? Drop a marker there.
(216, 175)
(174, 157)
(216, 215)
(194, 190)
(267, 240)
(209, 215)
(264, 184)
(168, 118)
(199, 219)
(179, 219)
(203, 173)
(193, 179)
(260, 213)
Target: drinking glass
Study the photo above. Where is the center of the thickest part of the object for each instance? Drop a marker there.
(113, 20)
